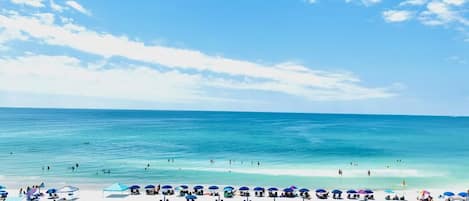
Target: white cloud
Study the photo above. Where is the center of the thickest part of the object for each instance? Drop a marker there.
(442, 13)
(312, 1)
(286, 78)
(364, 2)
(75, 5)
(413, 2)
(63, 75)
(33, 3)
(56, 7)
(455, 2)
(396, 15)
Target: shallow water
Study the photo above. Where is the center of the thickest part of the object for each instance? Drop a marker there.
(299, 149)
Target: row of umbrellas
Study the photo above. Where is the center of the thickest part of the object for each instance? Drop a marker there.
(245, 188)
(451, 194)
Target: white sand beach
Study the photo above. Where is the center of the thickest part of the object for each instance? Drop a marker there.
(92, 193)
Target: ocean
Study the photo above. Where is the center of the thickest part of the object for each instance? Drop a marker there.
(233, 148)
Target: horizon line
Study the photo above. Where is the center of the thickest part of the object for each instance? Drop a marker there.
(230, 111)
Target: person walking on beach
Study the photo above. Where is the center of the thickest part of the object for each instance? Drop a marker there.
(48, 168)
(369, 173)
(340, 172)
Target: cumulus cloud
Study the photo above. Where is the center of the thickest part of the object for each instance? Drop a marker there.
(286, 78)
(75, 5)
(442, 13)
(396, 15)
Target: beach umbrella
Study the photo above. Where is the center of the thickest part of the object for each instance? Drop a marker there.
(389, 191)
(259, 189)
(287, 190)
(213, 188)
(244, 188)
(52, 190)
(336, 191)
(149, 186)
(293, 187)
(134, 187)
(184, 186)
(3, 193)
(198, 187)
(2, 187)
(321, 190)
(272, 189)
(449, 194)
(42, 185)
(304, 190)
(351, 191)
(462, 194)
(425, 192)
(191, 197)
(368, 191)
(117, 187)
(167, 187)
(228, 188)
(68, 189)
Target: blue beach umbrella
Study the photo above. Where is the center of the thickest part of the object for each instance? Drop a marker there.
(389, 191)
(272, 189)
(228, 188)
(321, 190)
(351, 191)
(336, 191)
(3, 193)
(259, 189)
(166, 187)
(462, 194)
(149, 186)
(448, 194)
(52, 190)
(304, 190)
(198, 187)
(213, 188)
(244, 188)
(134, 187)
(191, 197)
(368, 191)
(184, 186)
(287, 190)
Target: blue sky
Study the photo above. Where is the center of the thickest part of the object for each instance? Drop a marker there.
(334, 56)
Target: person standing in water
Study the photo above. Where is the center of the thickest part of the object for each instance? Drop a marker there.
(369, 173)
(340, 172)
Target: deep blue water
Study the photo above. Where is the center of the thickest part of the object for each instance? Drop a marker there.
(300, 149)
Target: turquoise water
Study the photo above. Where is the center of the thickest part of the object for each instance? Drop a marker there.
(292, 149)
